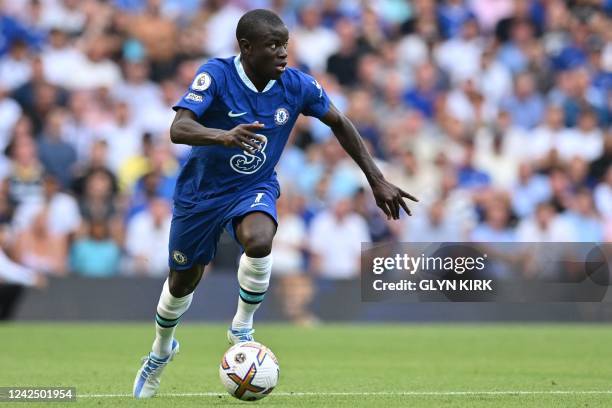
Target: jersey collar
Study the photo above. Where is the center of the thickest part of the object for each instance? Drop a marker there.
(245, 78)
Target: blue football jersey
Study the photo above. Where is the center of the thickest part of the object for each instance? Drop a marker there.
(222, 97)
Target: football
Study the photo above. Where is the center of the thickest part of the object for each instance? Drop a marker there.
(249, 371)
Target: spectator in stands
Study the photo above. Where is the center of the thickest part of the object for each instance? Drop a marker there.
(467, 104)
(414, 48)
(380, 229)
(585, 142)
(100, 201)
(15, 68)
(163, 168)
(498, 149)
(95, 254)
(361, 112)
(544, 226)
(59, 56)
(66, 14)
(122, 136)
(561, 189)
(294, 286)
(585, 224)
(26, 173)
(15, 29)
(603, 195)
(38, 248)
(413, 173)
(64, 218)
(514, 53)
(544, 139)
(530, 190)
(158, 35)
(391, 102)
(136, 166)
(216, 17)
(7, 205)
(97, 161)
(334, 256)
(437, 225)
(56, 155)
(526, 106)
(10, 112)
(459, 202)
(600, 166)
(314, 44)
(578, 173)
(496, 226)
(343, 63)
(136, 87)
(469, 176)
(466, 46)
(95, 69)
(422, 96)
(146, 240)
(452, 15)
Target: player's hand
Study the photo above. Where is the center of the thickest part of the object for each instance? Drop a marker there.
(390, 198)
(244, 137)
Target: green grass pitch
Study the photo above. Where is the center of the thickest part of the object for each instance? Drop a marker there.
(327, 366)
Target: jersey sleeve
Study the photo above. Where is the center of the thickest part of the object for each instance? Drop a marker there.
(203, 89)
(314, 98)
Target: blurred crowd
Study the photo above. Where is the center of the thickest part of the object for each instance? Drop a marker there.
(495, 113)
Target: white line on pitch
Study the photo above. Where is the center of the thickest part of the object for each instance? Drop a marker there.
(360, 394)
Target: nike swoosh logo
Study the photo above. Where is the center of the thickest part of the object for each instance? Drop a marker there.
(235, 115)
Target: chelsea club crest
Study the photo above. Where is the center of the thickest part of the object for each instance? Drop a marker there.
(179, 257)
(281, 116)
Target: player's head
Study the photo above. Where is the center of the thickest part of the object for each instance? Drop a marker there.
(262, 37)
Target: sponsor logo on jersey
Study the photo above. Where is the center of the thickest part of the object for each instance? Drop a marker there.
(249, 163)
(194, 97)
(201, 82)
(281, 116)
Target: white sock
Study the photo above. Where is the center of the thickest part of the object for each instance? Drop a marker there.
(169, 311)
(253, 278)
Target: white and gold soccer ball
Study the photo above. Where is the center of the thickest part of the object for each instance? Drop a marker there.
(249, 371)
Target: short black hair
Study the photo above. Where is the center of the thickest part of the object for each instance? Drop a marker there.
(250, 23)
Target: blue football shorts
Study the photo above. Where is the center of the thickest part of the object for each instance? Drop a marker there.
(194, 233)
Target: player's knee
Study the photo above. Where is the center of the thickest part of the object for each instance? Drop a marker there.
(258, 246)
(179, 289)
(182, 283)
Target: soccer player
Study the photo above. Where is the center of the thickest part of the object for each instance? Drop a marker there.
(237, 115)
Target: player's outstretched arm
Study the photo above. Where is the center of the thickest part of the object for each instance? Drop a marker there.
(388, 196)
(185, 129)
